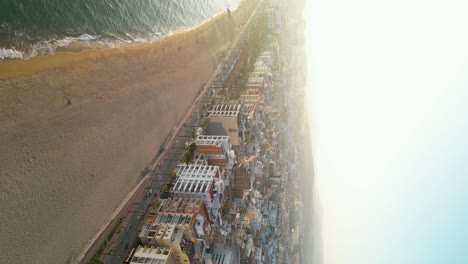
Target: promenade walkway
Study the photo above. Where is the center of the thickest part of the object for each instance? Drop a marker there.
(134, 206)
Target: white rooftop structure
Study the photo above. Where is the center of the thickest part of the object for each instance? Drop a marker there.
(227, 110)
(255, 79)
(153, 255)
(215, 149)
(196, 181)
(223, 120)
(200, 181)
(261, 67)
(250, 98)
(199, 159)
(181, 205)
(197, 172)
(219, 141)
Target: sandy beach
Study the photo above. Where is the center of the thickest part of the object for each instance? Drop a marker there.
(76, 130)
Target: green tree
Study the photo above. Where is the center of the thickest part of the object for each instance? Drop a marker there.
(189, 153)
(156, 203)
(173, 175)
(184, 158)
(192, 147)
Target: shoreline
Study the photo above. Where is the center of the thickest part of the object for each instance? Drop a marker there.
(73, 51)
(172, 135)
(69, 165)
(77, 45)
(13, 68)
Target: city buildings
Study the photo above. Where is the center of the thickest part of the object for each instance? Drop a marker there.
(244, 142)
(224, 120)
(221, 254)
(250, 103)
(250, 99)
(181, 224)
(153, 255)
(202, 182)
(256, 81)
(231, 199)
(217, 150)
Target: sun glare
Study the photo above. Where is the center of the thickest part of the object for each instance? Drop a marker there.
(381, 77)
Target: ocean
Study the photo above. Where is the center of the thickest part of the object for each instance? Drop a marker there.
(31, 28)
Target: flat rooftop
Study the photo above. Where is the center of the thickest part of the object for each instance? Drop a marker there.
(224, 110)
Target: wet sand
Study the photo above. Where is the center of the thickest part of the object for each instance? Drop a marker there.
(76, 130)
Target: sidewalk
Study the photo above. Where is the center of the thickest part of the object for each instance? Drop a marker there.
(137, 193)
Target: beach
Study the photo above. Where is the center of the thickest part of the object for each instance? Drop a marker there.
(77, 129)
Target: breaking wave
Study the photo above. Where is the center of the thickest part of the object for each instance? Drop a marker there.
(28, 31)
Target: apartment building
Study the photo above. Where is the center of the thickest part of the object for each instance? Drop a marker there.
(217, 150)
(153, 255)
(224, 120)
(203, 182)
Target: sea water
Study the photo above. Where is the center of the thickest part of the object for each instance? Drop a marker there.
(37, 27)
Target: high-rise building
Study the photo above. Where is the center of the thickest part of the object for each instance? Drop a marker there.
(203, 182)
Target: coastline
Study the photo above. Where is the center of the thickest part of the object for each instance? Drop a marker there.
(68, 166)
(52, 43)
(76, 52)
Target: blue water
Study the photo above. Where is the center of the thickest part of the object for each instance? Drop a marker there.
(37, 27)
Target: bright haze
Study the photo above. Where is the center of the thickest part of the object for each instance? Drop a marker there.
(388, 93)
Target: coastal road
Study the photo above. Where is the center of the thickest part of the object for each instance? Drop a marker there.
(169, 160)
(135, 204)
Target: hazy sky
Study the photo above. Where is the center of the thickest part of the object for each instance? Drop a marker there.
(389, 101)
